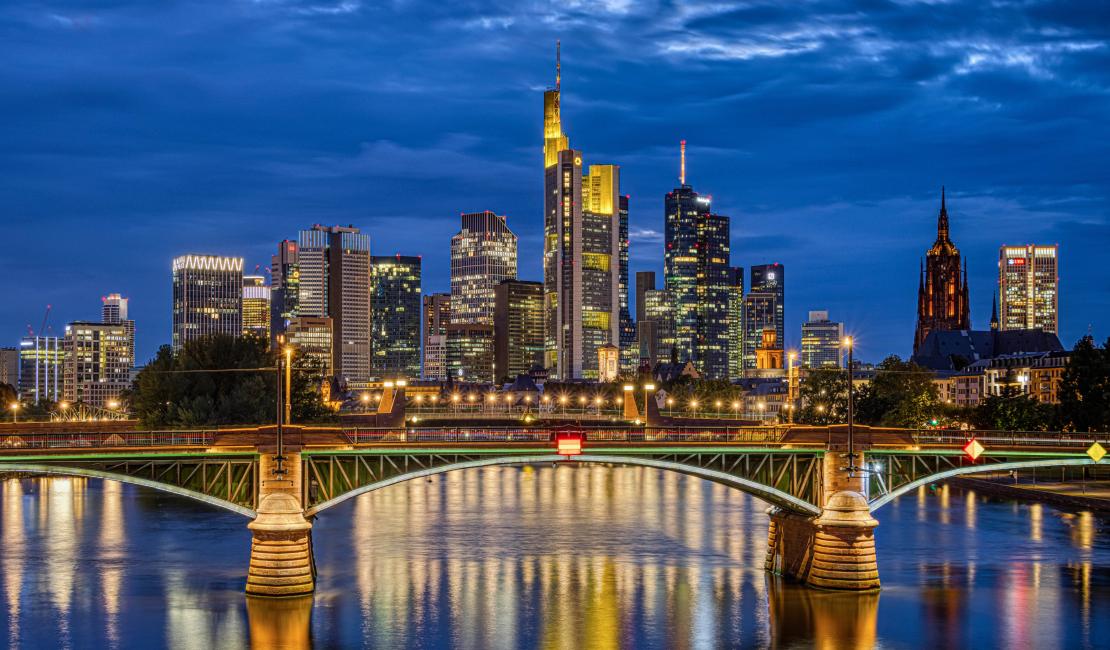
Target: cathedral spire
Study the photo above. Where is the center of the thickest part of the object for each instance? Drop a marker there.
(994, 311)
(942, 219)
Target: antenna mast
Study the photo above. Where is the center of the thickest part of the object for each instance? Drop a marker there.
(558, 65)
(682, 165)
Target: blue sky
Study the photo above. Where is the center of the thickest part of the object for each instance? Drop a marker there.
(134, 131)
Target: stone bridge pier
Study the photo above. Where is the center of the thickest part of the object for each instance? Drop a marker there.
(281, 547)
(835, 550)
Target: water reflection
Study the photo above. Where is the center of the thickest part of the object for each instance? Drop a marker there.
(821, 619)
(280, 623)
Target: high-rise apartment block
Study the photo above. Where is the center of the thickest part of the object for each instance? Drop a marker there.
(821, 341)
(207, 297)
(41, 371)
(696, 273)
(585, 253)
(1028, 286)
(395, 316)
(437, 316)
(517, 328)
(98, 362)
(483, 254)
(256, 307)
(333, 264)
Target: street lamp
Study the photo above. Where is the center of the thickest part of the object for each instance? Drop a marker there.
(15, 411)
(718, 405)
(851, 395)
(112, 405)
(455, 402)
(735, 409)
(694, 407)
(790, 382)
(563, 403)
(365, 398)
(762, 407)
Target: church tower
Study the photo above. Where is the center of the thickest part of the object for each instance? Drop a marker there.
(942, 294)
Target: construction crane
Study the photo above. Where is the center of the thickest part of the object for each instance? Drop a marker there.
(45, 316)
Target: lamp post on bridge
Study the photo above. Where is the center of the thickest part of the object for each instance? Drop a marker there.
(851, 395)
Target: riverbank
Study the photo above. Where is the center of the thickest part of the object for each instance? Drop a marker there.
(1093, 496)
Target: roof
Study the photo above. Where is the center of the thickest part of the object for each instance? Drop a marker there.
(953, 349)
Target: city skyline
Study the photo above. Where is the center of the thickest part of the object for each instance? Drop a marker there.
(1015, 193)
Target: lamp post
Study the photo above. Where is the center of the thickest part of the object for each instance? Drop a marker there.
(288, 384)
(790, 383)
(15, 411)
(851, 395)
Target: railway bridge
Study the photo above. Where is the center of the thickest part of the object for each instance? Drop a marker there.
(822, 497)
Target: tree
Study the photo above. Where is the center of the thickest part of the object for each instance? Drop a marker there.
(220, 380)
(1012, 411)
(1085, 387)
(824, 395)
(902, 394)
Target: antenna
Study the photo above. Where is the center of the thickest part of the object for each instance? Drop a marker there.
(558, 64)
(682, 166)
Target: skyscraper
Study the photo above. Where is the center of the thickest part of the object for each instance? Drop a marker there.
(437, 316)
(585, 255)
(114, 310)
(284, 287)
(821, 339)
(470, 352)
(483, 254)
(41, 372)
(334, 281)
(942, 296)
(98, 362)
(764, 307)
(256, 307)
(645, 281)
(736, 322)
(1028, 287)
(696, 273)
(395, 306)
(313, 337)
(207, 297)
(657, 327)
(517, 328)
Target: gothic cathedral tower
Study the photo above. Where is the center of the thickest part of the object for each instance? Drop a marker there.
(942, 295)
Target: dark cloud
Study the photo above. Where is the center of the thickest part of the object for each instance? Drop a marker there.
(134, 131)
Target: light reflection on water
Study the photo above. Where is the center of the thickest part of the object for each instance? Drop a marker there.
(582, 557)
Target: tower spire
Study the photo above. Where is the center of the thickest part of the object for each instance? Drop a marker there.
(558, 64)
(682, 165)
(994, 311)
(942, 218)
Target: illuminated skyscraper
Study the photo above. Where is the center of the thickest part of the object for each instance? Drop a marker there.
(334, 281)
(821, 339)
(256, 307)
(943, 302)
(657, 327)
(470, 352)
(207, 297)
(312, 336)
(114, 310)
(1028, 286)
(98, 362)
(696, 273)
(736, 322)
(395, 307)
(763, 308)
(585, 254)
(437, 316)
(284, 287)
(41, 372)
(483, 254)
(518, 328)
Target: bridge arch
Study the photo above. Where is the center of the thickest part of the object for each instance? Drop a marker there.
(976, 469)
(771, 495)
(60, 470)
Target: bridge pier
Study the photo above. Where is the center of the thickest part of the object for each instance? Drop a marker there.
(835, 550)
(281, 548)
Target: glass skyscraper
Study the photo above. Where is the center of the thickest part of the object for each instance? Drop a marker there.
(483, 254)
(821, 339)
(207, 297)
(1028, 286)
(763, 308)
(395, 316)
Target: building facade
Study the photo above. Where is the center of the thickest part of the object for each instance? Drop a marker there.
(517, 328)
(821, 341)
(313, 336)
(114, 310)
(437, 316)
(696, 273)
(207, 298)
(942, 294)
(470, 352)
(256, 307)
(284, 287)
(483, 254)
(395, 316)
(1028, 286)
(9, 367)
(98, 362)
(334, 281)
(41, 368)
(736, 322)
(764, 307)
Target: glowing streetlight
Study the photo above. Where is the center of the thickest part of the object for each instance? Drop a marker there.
(15, 411)
(112, 404)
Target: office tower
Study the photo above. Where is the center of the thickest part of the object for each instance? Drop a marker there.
(284, 287)
(1028, 287)
(470, 352)
(9, 367)
(437, 316)
(41, 371)
(256, 307)
(483, 254)
(207, 297)
(771, 279)
(313, 337)
(333, 264)
(395, 316)
(736, 322)
(821, 339)
(114, 311)
(585, 256)
(517, 328)
(657, 327)
(629, 350)
(942, 295)
(645, 281)
(98, 361)
(696, 273)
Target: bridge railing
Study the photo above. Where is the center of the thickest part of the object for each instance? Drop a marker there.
(592, 434)
(100, 440)
(1077, 439)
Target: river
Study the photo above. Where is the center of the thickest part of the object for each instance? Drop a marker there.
(541, 557)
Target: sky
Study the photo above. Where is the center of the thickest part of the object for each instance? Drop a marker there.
(134, 131)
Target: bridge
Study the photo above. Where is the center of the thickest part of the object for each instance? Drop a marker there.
(821, 526)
